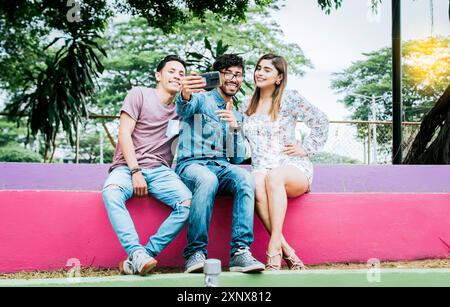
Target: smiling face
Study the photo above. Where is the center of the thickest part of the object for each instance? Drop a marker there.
(231, 78)
(169, 78)
(267, 75)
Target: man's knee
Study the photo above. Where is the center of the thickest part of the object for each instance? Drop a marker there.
(113, 194)
(109, 190)
(207, 182)
(187, 203)
(244, 180)
(184, 209)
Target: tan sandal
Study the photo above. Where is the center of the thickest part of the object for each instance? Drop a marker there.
(294, 263)
(270, 266)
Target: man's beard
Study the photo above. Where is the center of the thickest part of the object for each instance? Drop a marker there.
(222, 88)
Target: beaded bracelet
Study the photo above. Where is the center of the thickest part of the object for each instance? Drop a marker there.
(135, 170)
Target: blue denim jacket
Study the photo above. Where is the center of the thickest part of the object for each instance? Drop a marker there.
(203, 136)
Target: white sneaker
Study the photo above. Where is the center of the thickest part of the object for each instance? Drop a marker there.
(126, 267)
(142, 262)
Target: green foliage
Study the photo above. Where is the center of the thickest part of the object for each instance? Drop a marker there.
(330, 158)
(426, 74)
(15, 153)
(51, 81)
(205, 62)
(169, 15)
(90, 149)
(56, 78)
(59, 98)
(10, 133)
(135, 50)
(329, 5)
(12, 142)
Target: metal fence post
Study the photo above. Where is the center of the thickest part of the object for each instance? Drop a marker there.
(77, 149)
(101, 147)
(369, 146)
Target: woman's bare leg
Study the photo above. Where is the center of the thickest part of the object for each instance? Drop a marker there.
(262, 208)
(282, 183)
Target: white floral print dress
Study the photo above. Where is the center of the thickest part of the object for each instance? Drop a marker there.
(267, 138)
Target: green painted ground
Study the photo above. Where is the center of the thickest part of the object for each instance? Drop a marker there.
(325, 278)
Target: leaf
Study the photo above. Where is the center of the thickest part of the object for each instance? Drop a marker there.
(208, 44)
(196, 55)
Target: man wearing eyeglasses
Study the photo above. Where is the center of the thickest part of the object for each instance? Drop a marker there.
(211, 143)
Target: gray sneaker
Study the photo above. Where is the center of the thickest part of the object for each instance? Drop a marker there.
(126, 267)
(142, 262)
(195, 263)
(244, 262)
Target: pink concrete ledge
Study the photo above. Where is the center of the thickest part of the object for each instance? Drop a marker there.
(42, 230)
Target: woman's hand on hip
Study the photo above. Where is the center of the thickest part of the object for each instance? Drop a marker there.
(294, 150)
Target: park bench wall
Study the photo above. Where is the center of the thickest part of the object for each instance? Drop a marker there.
(52, 216)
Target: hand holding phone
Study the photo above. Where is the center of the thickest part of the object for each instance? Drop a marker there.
(194, 83)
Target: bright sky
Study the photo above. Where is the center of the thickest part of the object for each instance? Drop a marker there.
(333, 42)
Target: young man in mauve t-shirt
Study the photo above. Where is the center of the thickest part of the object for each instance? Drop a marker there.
(142, 165)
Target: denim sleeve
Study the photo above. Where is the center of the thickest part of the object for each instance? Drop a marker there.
(187, 109)
(237, 139)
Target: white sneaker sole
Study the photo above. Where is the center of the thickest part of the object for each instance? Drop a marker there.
(249, 269)
(197, 268)
(148, 267)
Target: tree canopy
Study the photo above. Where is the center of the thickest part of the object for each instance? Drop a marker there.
(426, 75)
(135, 49)
(50, 51)
(53, 53)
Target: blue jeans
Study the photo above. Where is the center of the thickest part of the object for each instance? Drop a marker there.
(211, 178)
(165, 185)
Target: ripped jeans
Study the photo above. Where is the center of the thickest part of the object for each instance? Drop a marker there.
(163, 184)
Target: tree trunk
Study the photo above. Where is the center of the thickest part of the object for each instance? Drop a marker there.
(436, 121)
(110, 137)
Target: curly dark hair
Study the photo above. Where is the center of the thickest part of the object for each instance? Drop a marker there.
(227, 61)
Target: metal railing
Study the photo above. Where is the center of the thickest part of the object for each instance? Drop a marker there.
(375, 148)
(349, 142)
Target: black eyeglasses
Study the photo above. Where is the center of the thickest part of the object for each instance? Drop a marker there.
(230, 76)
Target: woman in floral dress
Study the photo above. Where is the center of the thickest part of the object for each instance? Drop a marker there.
(280, 164)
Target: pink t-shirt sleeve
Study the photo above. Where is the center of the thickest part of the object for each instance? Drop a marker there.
(132, 104)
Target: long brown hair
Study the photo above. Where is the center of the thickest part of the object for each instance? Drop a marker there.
(282, 67)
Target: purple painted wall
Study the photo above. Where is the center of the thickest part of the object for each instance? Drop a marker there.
(328, 178)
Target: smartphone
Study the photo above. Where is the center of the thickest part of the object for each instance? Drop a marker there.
(212, 80)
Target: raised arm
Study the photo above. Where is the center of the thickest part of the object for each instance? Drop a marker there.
(188, 103)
